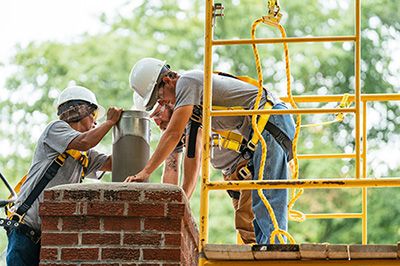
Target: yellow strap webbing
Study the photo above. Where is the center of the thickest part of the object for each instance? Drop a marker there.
(229, 140)
(80, 157)
(262, 122)
(232, 140)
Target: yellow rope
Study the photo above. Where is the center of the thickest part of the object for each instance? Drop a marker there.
(262, 141)
(339, 117)
(296, 193)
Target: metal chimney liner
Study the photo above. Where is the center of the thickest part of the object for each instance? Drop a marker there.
(131, 144)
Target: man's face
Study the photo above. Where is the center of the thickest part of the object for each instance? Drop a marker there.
(88, 122)
(166, 93)
(162, 115)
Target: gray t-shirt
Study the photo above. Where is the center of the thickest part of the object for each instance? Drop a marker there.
(53, 142)
(226, 92)
(223, 159)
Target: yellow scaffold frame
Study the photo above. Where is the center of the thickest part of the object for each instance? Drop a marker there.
(360, 180)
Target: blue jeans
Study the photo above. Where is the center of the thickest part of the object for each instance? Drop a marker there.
(275, 169)
(21, 251)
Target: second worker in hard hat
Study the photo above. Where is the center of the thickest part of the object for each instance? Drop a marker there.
(155, 82)
(74, 135)
(224, 159)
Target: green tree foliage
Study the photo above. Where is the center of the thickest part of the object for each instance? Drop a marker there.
(174, 31)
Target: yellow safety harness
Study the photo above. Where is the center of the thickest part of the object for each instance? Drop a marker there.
(49, 174)
(234, 141)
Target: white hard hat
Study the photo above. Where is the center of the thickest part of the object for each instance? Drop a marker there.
(143, 78)
(80, 93)
(138, 102)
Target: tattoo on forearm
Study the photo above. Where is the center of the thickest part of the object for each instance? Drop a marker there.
(171, 163)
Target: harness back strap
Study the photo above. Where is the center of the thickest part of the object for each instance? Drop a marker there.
(48, 175)
(195, 125)
(284, 141)
(191, 152)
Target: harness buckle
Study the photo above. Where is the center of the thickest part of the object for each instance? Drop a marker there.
(244, 173)
(216, 141)
(196, 118)
(252, 146)
(14, 214)
(61, 159)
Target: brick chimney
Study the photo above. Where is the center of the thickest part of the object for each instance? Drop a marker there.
(117, 224)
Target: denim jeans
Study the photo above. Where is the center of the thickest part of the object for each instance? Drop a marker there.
(275, 169)
(21, 251)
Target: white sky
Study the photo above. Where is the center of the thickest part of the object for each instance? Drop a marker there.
(23, 21)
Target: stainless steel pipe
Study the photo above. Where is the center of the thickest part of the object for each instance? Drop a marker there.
(131, 144)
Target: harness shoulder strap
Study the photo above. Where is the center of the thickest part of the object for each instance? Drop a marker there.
(46, 178)
(80, 157)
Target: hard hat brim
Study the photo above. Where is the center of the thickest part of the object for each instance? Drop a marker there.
(152, 100)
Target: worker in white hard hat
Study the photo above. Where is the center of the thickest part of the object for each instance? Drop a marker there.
(67, 142)
(155, 82)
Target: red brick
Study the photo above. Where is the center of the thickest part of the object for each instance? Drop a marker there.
(104, 209)
(75, 254)
(50, 224)
(146, 209)
(162, 254)
(101, 239)
(101, 264)
(50, 254)
(80, 223)
(48, 208)
(127, 254)
(142, 239)
(163, 196)
(59, 239)
(124, 196)
(121, 224)
(81, 195)
(162, 225)
(141, 264)
(175, 210)
(58, 264)
(50, 195)
(172, 239)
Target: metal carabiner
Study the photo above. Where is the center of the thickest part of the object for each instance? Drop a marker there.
(20, 217)
(271, 6)
(218, 7)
